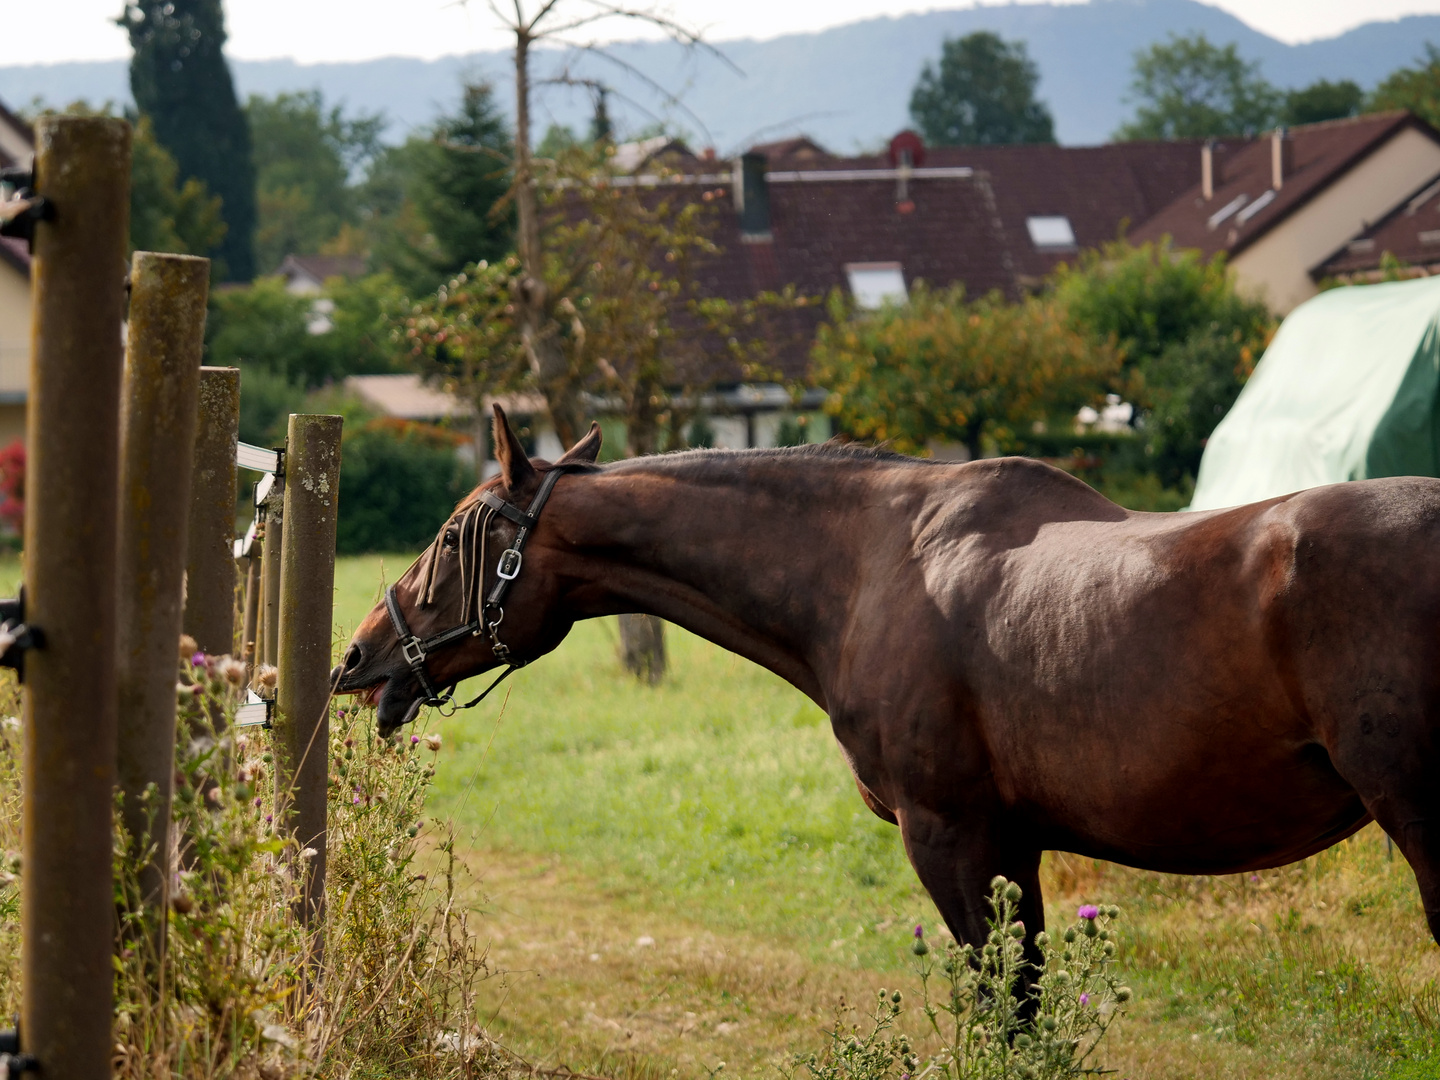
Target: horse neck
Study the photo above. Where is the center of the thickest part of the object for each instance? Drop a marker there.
(749, 551)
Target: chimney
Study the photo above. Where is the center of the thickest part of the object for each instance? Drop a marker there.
(752, 195)
(1282, 157)
(1207, 170)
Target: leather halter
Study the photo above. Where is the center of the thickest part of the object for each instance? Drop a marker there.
(416, 649)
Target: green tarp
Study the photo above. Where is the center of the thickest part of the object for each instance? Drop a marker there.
(1347, 390)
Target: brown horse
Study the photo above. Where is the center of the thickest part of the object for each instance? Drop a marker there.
(1010, 661)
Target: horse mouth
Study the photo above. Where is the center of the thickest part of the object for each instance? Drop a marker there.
(396, 702)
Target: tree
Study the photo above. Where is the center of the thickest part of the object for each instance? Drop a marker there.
(462, 175)
(1187, 341)
(1414, 88)
(947, 369)
(304, 158)
(1323, 100)
(179, 78)
(981, 94)
(1187, 88)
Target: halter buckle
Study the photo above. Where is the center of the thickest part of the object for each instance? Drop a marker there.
(414, 650)
(509, 565)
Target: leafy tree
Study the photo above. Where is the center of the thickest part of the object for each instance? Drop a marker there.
(166, 215)
(1186, 339)
(1188, 88)
(263, 327)
(179, 78)
(304, 158)
(1415, 88)
(1323, 100)
(981, 93)
(944, 368)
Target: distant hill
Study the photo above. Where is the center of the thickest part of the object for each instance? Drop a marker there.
(847, 87)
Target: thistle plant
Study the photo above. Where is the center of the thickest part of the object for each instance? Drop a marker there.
(998, 1017)
(993, 1014)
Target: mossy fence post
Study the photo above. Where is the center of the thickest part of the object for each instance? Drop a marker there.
(307, 601)
(157, 445)
(210, 564)
(82, 169)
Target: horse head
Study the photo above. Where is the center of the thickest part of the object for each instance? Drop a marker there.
(482, 595)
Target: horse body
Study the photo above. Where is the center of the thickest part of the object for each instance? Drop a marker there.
(1010, 662)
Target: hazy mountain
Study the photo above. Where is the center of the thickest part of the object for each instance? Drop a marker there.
(848, 87)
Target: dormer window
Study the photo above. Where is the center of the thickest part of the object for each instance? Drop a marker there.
(1051, 232)
(876, 283)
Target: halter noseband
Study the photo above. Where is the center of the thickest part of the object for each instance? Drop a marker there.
(416, 649)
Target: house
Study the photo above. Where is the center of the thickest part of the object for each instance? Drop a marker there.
(1287, 208)
(17, 149)
(306, 275)
(1403, 243)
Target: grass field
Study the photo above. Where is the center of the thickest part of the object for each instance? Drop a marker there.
(683, 875)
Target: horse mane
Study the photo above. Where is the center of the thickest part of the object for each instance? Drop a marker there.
(686, 461)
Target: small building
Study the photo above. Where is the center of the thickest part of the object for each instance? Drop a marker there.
(1281, 207)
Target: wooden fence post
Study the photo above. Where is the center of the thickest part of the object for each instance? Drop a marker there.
(157, 444)
(249, 622)
(307, 601)
(78, 299)
(210, 564)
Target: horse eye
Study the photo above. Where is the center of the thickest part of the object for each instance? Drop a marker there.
(451, 540)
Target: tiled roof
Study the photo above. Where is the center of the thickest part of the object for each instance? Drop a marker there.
(1410, 232)
(963, 218)
(1318, 155)
(323, 267)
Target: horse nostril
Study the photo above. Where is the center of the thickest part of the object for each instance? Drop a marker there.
(353, 658)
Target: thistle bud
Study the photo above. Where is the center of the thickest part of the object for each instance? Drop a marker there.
(1012, 892)
(188, 646)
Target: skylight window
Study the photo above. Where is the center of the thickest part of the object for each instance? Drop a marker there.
(875, 284)
(1225, 211)
(1051, 231)
(1255, 207)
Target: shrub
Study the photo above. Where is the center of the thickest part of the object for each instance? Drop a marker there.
(398, 481)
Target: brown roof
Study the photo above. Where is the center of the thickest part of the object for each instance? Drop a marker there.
(963, 219)
(324, 267)
(1317, 155)
(1410, 232)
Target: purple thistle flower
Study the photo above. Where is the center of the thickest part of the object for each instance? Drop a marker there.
(414, 739)
(269, 818)
(355, 801)
(919, 931)
(257, 801)
(198, 660)
(1088, 911)
(1084, 999)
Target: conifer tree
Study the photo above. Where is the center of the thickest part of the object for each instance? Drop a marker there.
(179, 78)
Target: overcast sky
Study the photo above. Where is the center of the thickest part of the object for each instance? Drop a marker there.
(45, 31)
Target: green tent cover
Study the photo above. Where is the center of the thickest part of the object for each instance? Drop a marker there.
(1349, 389)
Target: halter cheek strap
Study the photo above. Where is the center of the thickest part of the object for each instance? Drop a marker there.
(416, 649)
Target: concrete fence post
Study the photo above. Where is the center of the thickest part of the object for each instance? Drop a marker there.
(210, 563)
(77, 280)
(157, 443)
(307, 600)
(270, 559)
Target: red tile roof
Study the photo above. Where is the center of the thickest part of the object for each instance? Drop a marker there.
(1318, 155)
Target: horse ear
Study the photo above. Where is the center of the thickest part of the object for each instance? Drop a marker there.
(587, 449)
(515, 467)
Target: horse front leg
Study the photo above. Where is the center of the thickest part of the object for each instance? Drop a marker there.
(956, 856)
